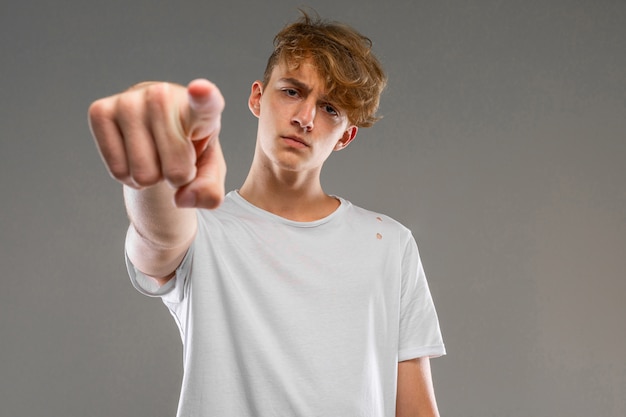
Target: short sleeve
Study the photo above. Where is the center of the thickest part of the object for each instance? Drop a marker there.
(173, 291)
(419, 334)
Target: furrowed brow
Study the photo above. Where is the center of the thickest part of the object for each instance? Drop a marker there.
(305, 88)
(297, 83)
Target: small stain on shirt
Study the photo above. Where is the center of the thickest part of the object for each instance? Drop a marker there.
(379, 236)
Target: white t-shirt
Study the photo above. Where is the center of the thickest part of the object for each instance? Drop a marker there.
(285, 318)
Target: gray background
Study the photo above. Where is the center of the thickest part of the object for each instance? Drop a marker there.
(502, 148)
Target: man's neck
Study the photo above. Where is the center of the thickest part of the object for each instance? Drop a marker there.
(291, 195)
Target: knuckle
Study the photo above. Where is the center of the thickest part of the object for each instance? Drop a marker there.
(157, 91)
(158, 96)
(127, 104)
(145, 177)
(99, 111)
(118, 171)
(179, 176)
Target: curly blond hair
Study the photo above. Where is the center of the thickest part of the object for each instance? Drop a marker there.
(354, 77)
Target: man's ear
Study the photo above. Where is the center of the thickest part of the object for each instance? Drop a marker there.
(254, 101)
(347, 137)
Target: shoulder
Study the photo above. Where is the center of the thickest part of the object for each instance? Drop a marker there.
(365, 216)
(365, 223)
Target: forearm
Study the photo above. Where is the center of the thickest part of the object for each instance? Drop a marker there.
(416, 395)
(156, 138)
(160, 233)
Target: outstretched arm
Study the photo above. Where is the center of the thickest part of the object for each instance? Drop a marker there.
(161, 142)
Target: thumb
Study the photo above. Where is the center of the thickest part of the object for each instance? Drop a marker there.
(202, 119)
(207, 189)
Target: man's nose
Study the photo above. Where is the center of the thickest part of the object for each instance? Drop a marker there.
(305, 115)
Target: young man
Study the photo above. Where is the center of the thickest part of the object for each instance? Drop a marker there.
(289, 301)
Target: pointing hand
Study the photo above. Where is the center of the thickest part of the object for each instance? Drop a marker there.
(158, 132)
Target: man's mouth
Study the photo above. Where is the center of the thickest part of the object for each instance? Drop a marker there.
(295, 141)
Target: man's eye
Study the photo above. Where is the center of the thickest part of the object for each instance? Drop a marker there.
(290, 92)
(330, 110)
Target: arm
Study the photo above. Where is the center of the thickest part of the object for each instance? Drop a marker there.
(161, 142)
(416, 395)
(159, 233)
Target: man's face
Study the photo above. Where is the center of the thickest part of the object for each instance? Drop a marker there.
(299, 126)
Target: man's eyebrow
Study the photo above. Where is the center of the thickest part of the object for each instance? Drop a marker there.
(297, 83)
(302, 86)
